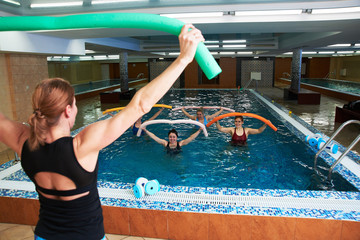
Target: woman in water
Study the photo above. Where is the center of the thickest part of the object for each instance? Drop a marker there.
(239, 134)
(64, 168)
(200, 117)
(138, 122)
(172, 146)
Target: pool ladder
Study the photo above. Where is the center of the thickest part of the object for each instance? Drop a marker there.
(344, 153)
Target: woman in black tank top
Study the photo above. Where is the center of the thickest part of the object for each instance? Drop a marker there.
(64, 168)
(172, 146)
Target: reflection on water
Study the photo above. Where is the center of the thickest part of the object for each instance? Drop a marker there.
(337, 85)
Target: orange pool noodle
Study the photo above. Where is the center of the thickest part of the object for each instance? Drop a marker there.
(267, 122)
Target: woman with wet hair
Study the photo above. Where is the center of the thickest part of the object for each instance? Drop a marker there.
(172, 146)
(64, 168)
(239, 134)
(200, 116)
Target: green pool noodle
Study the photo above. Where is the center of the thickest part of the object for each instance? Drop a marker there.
(111, 20)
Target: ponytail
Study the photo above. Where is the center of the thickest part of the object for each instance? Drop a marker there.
(49, 100)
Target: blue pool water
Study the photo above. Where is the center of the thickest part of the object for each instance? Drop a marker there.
(271, 160)
(338, 85)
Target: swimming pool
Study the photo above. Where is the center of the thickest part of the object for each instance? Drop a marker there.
(331, 205)
(83, 88)
(338, 85)
(271, 160)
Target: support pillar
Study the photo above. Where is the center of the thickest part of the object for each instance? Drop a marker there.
(124, 79)
(296, 70)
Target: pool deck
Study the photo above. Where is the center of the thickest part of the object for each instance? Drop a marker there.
(216, 226)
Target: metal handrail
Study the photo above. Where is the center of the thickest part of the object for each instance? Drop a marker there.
(343, 155)
(329, 141)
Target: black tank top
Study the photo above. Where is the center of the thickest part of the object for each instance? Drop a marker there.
(76, 219)
(173, 150)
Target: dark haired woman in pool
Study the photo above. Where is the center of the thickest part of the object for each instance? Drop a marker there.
(172, 146)
(239, 134)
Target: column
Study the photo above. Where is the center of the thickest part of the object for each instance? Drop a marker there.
(124, 80)
(296, 70)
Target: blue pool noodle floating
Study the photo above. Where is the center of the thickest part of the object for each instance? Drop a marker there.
(111, 20)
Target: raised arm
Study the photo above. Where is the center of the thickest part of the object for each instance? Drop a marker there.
(189, 139)
(13, 134)
(256, 131)
(102, 133)
(157, 139)
(224, 129)
(211, 117)
(156, 114)
(187, 114)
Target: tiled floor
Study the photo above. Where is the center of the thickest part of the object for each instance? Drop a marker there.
(320, 116)
(25, 232)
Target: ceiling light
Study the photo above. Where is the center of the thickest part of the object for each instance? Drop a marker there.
(340, 45)
(226, 53)
(235, 46)
(85, 57)
(211, 41)
(336, 10)
(357, 45)
(56, 4)
(345, 52)
(113, 56)
(100, 57)
(244, 53)
(328, 52)
(193, 15)
(288, 53)
(268, 13)
(12, 2)
(212, 46)
(308, 52)
(174, 53)
(94, 2)
(234, 41)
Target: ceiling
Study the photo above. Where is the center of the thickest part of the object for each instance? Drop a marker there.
(265, 35)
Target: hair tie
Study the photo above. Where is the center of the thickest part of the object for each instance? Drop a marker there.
(38, 113)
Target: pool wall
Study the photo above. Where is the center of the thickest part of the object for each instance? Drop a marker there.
(96, 92)
(188, 225)
(207, 213)
(326, 91)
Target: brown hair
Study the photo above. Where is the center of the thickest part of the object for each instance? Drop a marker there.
(49, 100)
(173, 131)
(241, 118)
(201, 109)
